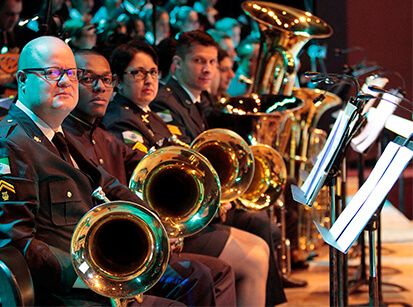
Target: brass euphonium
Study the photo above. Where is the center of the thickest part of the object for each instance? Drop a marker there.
(231, 158)
(268, 181)
(119, 249)
(181, 186)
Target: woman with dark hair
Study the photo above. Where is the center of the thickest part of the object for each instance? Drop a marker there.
(130, 118)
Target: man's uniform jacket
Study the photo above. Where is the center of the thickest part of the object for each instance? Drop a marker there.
(104, 148)
(176, 108)
(42, 197)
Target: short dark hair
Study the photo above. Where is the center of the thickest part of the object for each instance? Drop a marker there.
(187, 40)
(3, 3)
(81, 52)
(166, 51)
(123, 55)
(222, 54)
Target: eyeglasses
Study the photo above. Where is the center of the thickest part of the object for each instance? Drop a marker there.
(54, 73)
(141, 74)
(90, 79)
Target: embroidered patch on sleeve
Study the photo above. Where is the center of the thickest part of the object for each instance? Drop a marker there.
(140, 146)
(165, 115)
(7, 191)
(174, 129)
(131, 137)
(4, 166)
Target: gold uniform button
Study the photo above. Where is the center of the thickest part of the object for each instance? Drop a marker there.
(93, 142)
(69, 194)
(101, 161)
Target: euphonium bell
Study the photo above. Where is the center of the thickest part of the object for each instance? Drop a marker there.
(181, 186)
(119, 249)
(230, 156)
(269, 179)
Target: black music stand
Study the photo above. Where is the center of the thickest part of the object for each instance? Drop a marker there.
(370, 197)
(326, 172)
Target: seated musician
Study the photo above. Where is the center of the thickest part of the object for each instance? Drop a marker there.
(47, 182)
(83, 123)
(130, 118)
(185, 103)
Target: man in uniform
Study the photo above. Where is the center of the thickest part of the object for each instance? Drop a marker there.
(183, 102)
(84, 123)
(180, 101)
(47, 182)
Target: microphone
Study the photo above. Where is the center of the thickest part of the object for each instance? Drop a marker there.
(317, 77)
(375, 122)
(331, 78)
(398, 93)
(324, 79)
(340, 51)
(310, 74)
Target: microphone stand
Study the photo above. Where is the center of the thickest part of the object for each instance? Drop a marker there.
(45, 27)
(154, 12)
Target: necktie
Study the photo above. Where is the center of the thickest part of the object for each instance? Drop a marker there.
(61, 144)
(196, 115)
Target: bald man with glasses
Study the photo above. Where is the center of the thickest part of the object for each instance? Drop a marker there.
(43, 192)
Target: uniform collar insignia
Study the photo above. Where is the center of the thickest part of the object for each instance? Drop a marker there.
(144, 118)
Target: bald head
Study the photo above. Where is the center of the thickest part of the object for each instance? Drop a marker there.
(49, 98)
(40, 49)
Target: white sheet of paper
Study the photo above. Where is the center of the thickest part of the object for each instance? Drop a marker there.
(365, 190)
(360, 220)
(315, 180)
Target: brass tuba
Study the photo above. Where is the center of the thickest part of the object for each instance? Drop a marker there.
(181, 186)
(284, 32)
(119, 249)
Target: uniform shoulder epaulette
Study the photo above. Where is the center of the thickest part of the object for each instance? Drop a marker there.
(165, 92)
(6, 126)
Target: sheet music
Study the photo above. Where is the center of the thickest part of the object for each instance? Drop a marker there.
(356, 226)
(375, 123)
(365, 190)
(315, 180)
(361, 208)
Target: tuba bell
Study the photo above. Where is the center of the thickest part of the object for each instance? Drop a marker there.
(119, 249)
(181, 186)
(284, 32)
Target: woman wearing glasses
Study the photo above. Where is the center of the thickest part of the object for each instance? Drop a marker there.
(130, 118)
